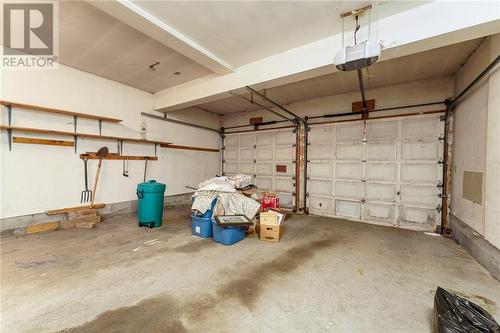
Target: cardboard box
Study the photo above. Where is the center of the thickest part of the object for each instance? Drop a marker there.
(271, 226)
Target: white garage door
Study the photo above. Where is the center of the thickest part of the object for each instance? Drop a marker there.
(269, 156)
(386, 173)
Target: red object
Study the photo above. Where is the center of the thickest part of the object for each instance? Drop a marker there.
(270, 202)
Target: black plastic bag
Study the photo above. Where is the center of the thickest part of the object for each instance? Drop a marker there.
(454, 314)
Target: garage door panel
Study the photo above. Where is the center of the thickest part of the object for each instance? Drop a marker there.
(382, 151)
(265, 138)
(420, 150)
(420, 128)
(348, 208)
(380, 192)
(247, 154)
(320, 205)
(418, 218)
(321, 152)
(381, 171)
(231, 154)
(350, 132)
(231, 167)
(286, 200)
(419, 173)
(320, 187)
(264, 154)
(284, 137)
(348, 190)
(320, 169)
(284, 153)
(351, 171)
(247, 168)
(381, 130)
(320, 134)
(283, 185)
(426, 196)
(380, 212)
(264, 169)
(349, 151)
(264, 183)
(247, 140)
(231, 141)
(393, 167)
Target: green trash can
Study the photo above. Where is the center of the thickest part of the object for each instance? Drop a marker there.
(150, 203)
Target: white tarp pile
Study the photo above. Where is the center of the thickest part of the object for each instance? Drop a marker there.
(229, 200)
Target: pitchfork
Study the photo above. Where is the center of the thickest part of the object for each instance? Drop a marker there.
(86, 194)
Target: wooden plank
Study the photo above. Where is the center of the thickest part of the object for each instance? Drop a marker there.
(170, 146)
(36, 141)
(74, 209)
(82, 135)
(58, 111)
(82, 220)
(36, 228)
(93, 156)
(85, 225)
(82, 213)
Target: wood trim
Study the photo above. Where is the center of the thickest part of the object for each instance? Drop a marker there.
(93, 156)
(74, 209)
(58, 111)
(170, 146)
(35, 141)
(81, 135)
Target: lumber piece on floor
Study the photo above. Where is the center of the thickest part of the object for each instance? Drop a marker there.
(42, 227)
(36, 141)
(74, 209)
(82, 222)
(82, 213)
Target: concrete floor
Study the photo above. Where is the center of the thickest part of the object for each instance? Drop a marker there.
(325, 275)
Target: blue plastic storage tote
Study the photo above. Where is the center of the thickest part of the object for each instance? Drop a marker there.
(201, 226)
(227, 235)
(150, 203)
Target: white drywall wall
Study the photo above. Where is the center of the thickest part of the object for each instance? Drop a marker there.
(35, 178)
(492, 188)
(469, 138)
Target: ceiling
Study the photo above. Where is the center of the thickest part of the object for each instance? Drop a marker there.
(436, 63)
(95, 42)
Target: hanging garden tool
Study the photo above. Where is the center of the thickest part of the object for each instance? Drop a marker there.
(145, 169)
(101, 153)
(86, 195)
(125, 168)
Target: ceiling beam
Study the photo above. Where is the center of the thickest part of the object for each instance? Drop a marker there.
(133, 15)
(422, 28)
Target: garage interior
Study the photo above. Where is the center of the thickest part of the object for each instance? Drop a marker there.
(383, 177)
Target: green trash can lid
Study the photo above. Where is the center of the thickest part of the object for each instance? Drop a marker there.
(151, 186)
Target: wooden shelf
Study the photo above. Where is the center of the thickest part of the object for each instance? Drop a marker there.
(58, 111)
(82, 135)
(36, 141)
(119, 157)
(171, 146)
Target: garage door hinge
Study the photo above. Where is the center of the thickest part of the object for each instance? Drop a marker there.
(441, 195)
(308, 178)
(293, 177)
(223, 161)
(440, 161)
(363, 200)
(254, 146)
(294, 161)
(439, 209)
(293, 193)
(442, 118)
(307, 194)
(363, 161)
(294, 145)
(254, 175)
(294, 130)
(363, 180)
(441, 138)
(439, 184)
(255, 161)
